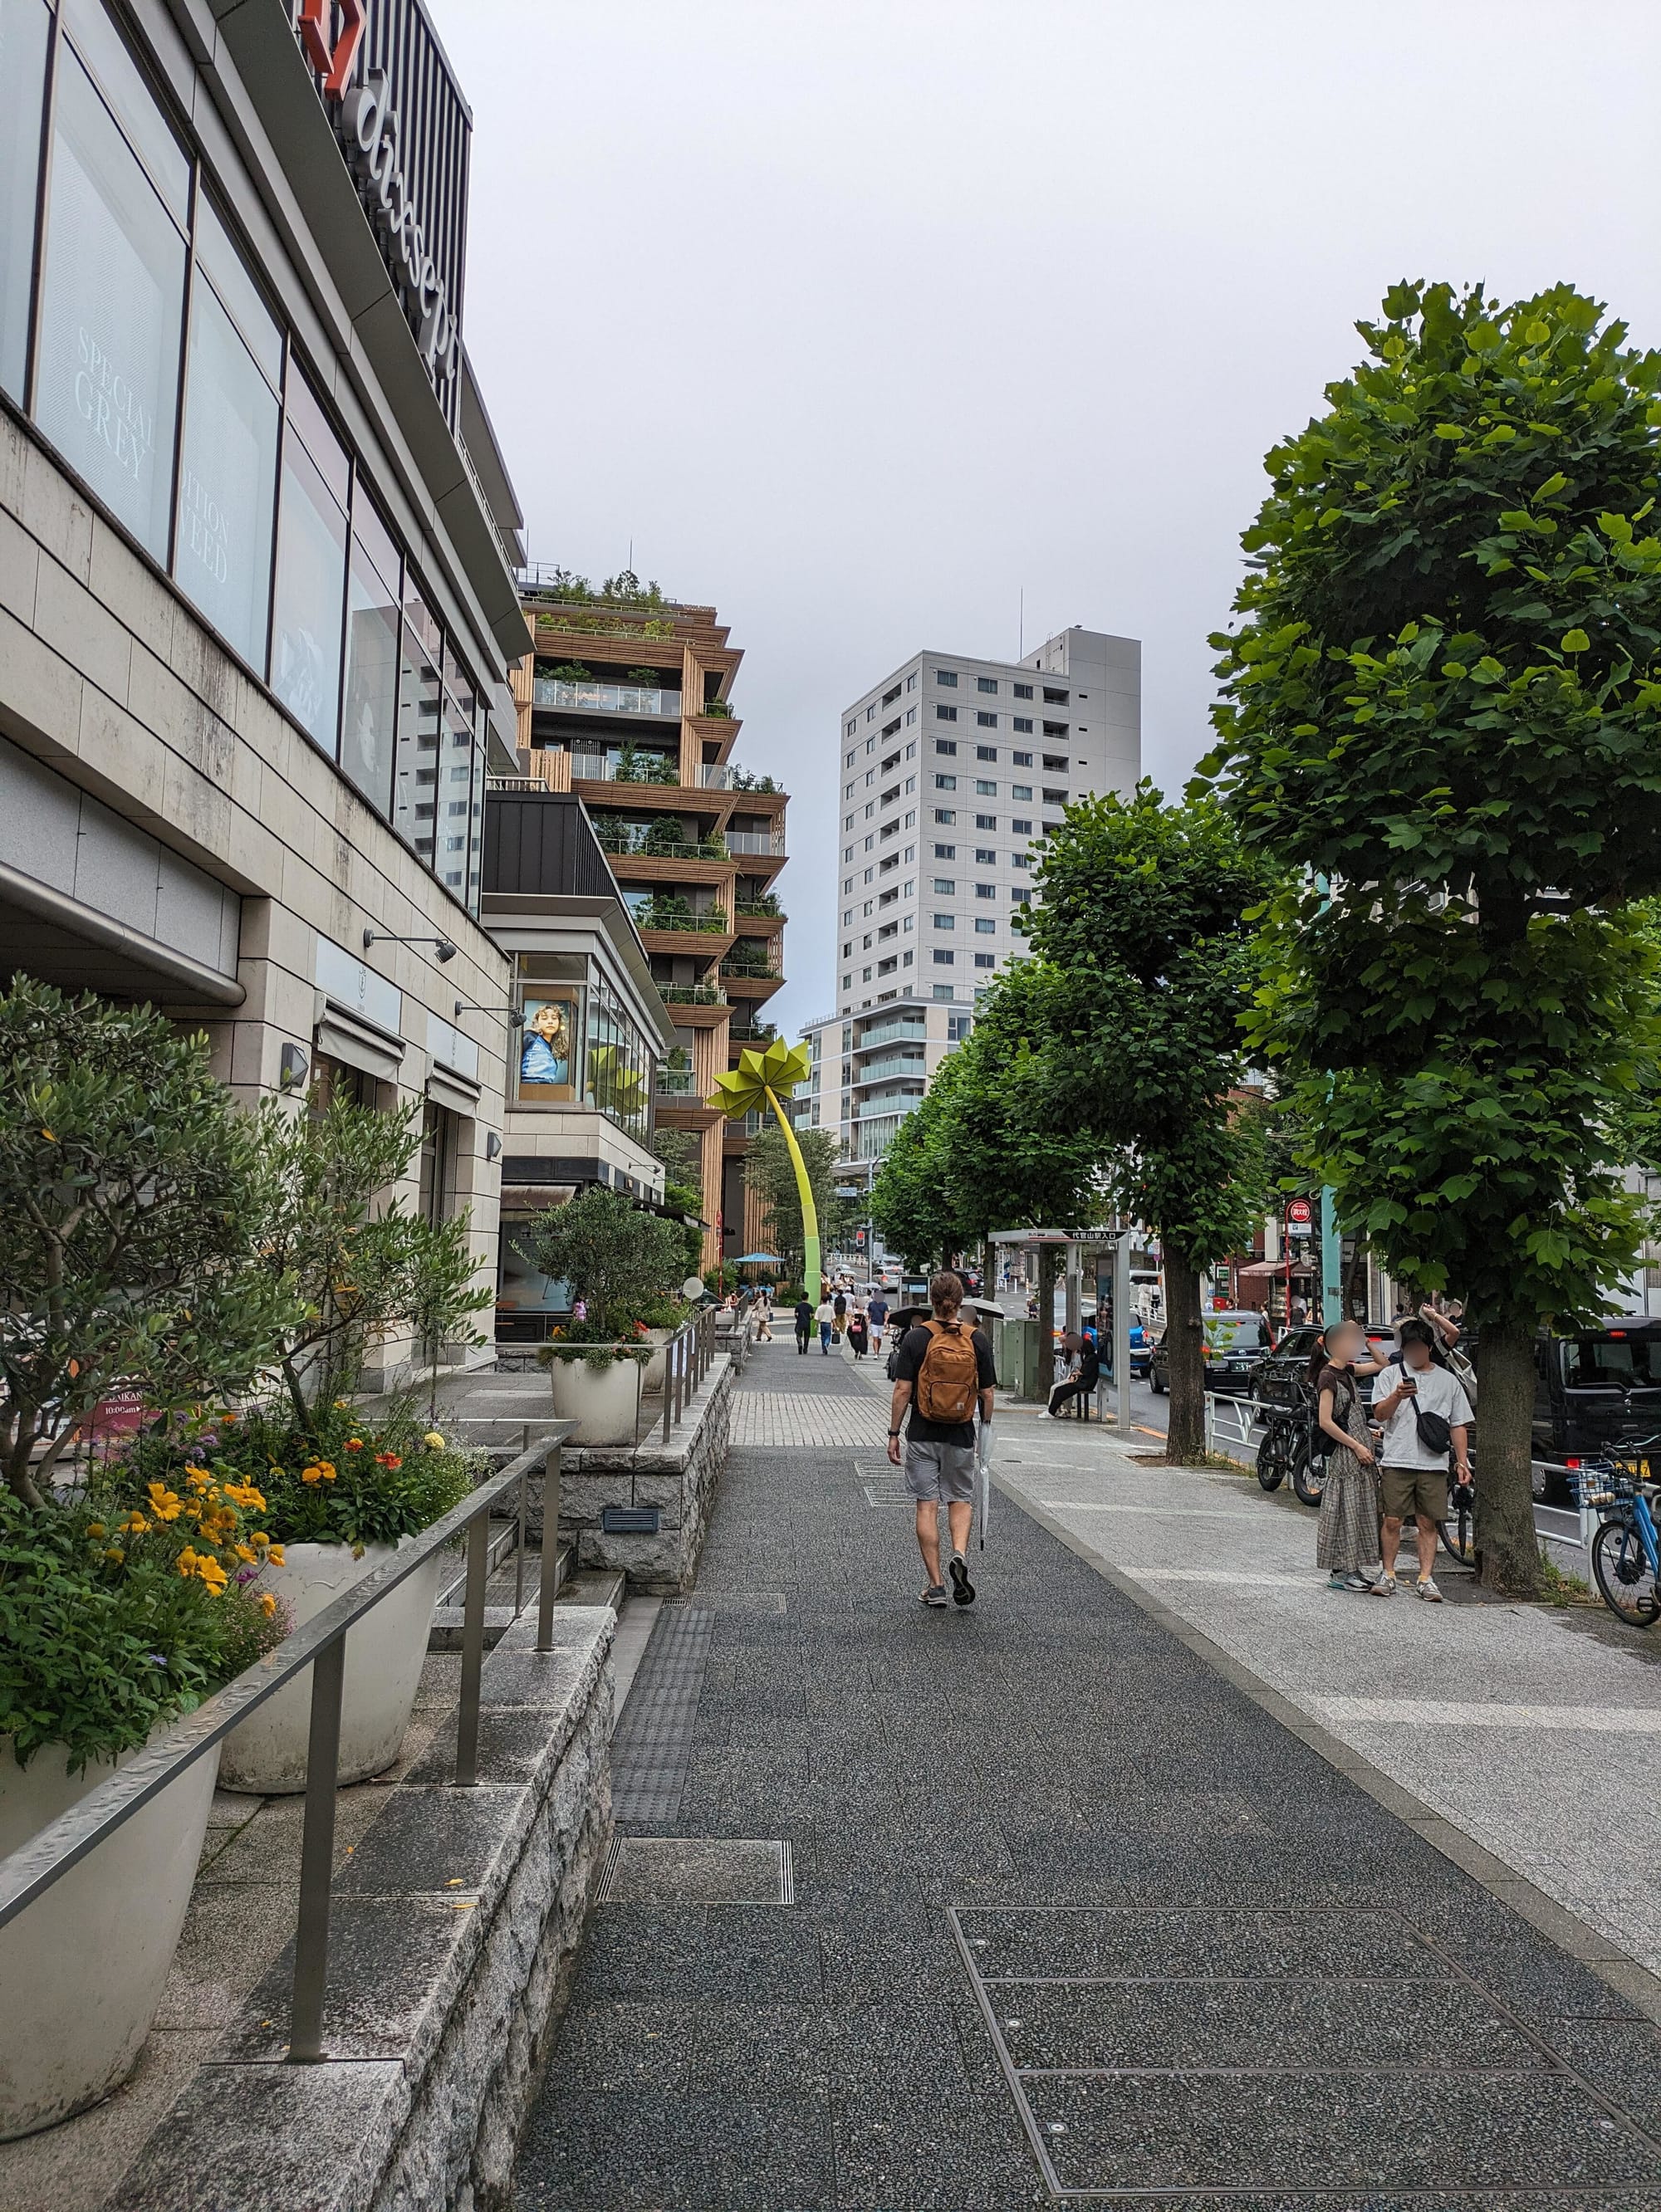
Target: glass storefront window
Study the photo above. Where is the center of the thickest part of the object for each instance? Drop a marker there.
(121, 81)
(367, 726)
(454, 790)
(476, 836)
(420, 727)
(241, 296)
(111, 310)
(311, 565)
(23, 25)
(227, 479)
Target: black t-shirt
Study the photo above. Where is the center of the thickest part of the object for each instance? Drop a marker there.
(804, 1314)
(1090, 1366)
(907, 1362)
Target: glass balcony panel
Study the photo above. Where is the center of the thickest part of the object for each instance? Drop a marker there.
(597, 698)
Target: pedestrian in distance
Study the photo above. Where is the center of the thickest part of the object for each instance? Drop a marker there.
(876, 1315)
(859, 1336)
(839, 1310)
(804, 1318)
(826, 1318)
(763, 1316)
(943, 1371)
(1425, 1416)
(1347, 1539)
(1084, 1368)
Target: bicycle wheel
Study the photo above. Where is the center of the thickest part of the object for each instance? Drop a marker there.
(1625, 1580)
(1309, 1474)
(1275, 1455)
(1458, 1531)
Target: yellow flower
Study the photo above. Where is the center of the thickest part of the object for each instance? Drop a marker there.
(260, 1537)
(246, 1552)
(188, 1562)
(96, 1528)
(433, 1439)
(325, 1468)
(311, 1473)
(117, 1556)
(198, 1478)
(275, 1555)
(164, 1502)
(267, 1603)
(213, 1574)
(135, 1525)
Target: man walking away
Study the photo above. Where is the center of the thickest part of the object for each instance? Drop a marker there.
(1425, 1413)
(1083, 1372)
(804, 1322)
(877, 1313)
(943, 1371)
(826, 1318)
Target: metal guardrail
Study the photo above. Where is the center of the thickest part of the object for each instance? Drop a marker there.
(320, 1644)
(1237, 1430)
(690, 1350)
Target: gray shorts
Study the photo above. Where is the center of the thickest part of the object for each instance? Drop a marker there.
(943, 1473)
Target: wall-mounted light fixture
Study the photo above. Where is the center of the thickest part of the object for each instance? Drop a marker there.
(515, 1014)
(293, 1067)
(445, 950)
(492, 1145)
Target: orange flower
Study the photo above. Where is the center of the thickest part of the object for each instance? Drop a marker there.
(275, 1555)
(267, 1603)
(354, 1444)
(387, 1459)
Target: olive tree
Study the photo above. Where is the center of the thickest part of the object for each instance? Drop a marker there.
(1442, 708)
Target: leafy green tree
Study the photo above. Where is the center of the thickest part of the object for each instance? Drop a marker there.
(364, 1268)
(1147, 965)
(769, 1172)
(618, 1259)
(1445, 699)
(131, 1190)
(910, 1202)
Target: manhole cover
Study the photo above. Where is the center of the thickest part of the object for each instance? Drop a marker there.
(1159, 2052)
(697, 1870)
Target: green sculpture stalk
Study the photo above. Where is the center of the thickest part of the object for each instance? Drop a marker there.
(809, 1219)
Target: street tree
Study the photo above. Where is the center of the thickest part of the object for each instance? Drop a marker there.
(131, 1190)
(1443, 709)
(1147, 967)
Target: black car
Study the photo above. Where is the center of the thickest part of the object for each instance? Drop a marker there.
(1591, 1391)
(1234, 1347)
(1279, 1379)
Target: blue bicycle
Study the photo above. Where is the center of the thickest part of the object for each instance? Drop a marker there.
(1626, 1552)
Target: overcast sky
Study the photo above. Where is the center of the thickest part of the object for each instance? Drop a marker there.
(860, 320)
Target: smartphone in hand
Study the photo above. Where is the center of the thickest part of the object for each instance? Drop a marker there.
(1408, 1385)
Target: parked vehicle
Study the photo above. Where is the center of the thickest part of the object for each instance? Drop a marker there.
(1293, 1444)
(1626, 1551)
(1595, 1390)
(1234, 1346)
(1281, 1376)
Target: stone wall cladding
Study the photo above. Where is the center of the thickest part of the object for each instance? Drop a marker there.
(454, 1931)
(679, 1479)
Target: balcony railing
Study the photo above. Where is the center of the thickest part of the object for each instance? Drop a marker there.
(597, 698)
(712, 922)
(765, 909)
(898, 1064)
(669, 1084)
(748, 973)
(752, 1032)
(905, 1032)
(611, 768)
(691, 994)
(769, 842)
(648, 840)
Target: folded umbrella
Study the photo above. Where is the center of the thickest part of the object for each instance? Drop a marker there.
(984, 1474)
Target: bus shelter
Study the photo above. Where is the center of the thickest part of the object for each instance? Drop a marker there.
(1102, 1255)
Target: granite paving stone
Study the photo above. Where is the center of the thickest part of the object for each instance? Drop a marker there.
(1049, 1786)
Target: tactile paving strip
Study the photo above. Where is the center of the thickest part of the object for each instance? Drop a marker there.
(1163, 2053)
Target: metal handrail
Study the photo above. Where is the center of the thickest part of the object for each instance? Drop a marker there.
(31, 1871)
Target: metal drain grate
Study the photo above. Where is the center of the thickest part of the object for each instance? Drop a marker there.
(1159, 2052)
(708, 1601)
(652, 1750)
(698, 1870)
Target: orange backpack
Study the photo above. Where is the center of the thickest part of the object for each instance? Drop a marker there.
(949, 1378)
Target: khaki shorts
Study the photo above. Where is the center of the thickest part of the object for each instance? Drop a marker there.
(942, 1473)
(1420, 1491)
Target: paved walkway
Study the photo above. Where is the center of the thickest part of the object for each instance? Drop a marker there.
(1071, 1915)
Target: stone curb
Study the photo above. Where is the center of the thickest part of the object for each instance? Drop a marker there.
(1636, 1984)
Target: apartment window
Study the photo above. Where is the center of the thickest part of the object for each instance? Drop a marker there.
(986, 890)
(945, 713)
(911, 816)
(945, 887)
(908, 923)
(1020, 860)
(1020, 791)
(847, 980)
(847, 917)
(848, 791)
(984, 722)
(889, 929)
(985, 928)
(984, 857)
(945, 920)
(1023, 723)
(1020, 892)
(986, 752)
(888, 897)
(1021, 824)
(1054, 798)
(911, 850)
(986, 820)
(890, 795)
(945, 745)
(889, 696)
(891, 760)
(1054, 729)
(942, 990)
(892, 861)
(911, 885)
(1022, 690)
(870, 809)
(870, 777)
(1021, 760)
(865, 975)
(986, 683)
(865, 942)
(986, 959)
(847, 821)
(887, 966)
(871, 713)
(943, 956)
(945, 852)
(987, 789)
(906, 958)
(869, 871)
(1055, 762)
(912, 683)
(848, 949)
(888, 728)
(849, 730)
(945, 783)
(910, 783)
(946, 815)
(1049, 829)
(869, 842)
(866, 907)
(1054, 698)
(945, 676)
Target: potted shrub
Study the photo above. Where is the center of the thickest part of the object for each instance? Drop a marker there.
(621, 1265)
(129, 1185)
(345, 1491)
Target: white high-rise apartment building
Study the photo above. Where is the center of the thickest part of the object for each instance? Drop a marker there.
(953, 769)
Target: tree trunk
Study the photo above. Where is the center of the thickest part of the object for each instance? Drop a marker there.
(1508, 1551)
(1184, 1336)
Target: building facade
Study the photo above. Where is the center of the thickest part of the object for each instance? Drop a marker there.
(257, 607)
(952, 770)
(625, 703)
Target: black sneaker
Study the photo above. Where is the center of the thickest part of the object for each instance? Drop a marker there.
(934, 1594)
(963, 1590)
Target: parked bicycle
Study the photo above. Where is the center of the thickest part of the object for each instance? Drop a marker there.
(1293, 1447)
(1626, 1554)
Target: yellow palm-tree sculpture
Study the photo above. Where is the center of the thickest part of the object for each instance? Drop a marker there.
(756, 1083)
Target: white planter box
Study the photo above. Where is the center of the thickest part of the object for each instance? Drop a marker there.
(603, 1402)
(82, 1967)
(657, 1365)
(384, 1654)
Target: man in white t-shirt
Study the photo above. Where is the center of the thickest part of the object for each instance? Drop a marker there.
(1412, 1473)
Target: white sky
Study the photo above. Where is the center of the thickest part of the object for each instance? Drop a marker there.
(859, 320)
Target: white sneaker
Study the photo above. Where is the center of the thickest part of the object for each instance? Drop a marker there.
(1426, 1588)
(1385, 1587)
(1046, 1416)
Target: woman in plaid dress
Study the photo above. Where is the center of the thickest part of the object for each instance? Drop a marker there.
(1347, 1541)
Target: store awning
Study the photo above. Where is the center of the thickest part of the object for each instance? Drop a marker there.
(1265, 1271)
